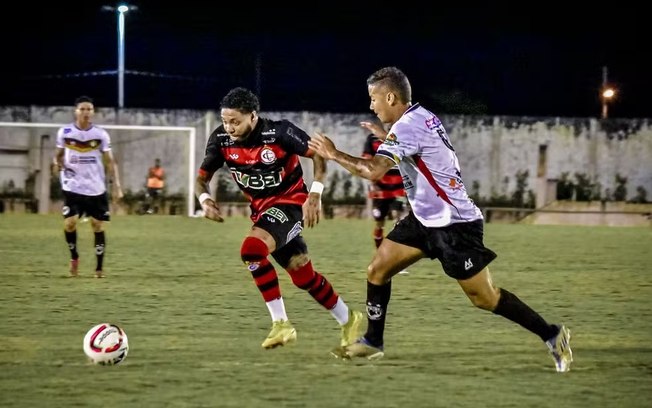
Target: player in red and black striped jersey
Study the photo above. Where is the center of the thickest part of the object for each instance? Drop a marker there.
(263, 157)
(387, 194)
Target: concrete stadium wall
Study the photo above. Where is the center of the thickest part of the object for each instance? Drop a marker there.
(492, 150)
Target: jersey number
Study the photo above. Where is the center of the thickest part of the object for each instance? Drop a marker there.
(444, 138)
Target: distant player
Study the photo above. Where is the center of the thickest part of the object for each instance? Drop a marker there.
(82, 150)
(387, 194)
(388, 200)
(263, 157)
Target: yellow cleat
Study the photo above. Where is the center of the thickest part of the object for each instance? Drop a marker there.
(361, 348)
(351, 331)
(282, 333)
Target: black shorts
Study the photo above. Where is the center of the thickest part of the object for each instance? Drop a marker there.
(92, 206)
(382, 207)
(284, 222)
(458, 246)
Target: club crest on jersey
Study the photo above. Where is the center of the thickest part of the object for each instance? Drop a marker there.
(391, 139)
(267, 155)
(433, 122)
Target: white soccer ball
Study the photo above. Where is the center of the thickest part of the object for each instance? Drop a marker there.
(106, 344)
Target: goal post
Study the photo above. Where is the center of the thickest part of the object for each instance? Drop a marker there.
(42, 163)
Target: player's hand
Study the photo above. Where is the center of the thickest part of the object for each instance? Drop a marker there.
(118, 194)
(116, 197)
(377, 130)
(212, 211)
(312, 210)
(324, 147)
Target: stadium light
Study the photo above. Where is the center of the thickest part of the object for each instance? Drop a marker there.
(607, 93)
(121, 9)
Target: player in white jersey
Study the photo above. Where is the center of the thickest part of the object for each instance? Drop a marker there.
(443, 222)
(81, 153)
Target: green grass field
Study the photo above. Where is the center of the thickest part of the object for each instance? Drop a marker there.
(195, 321)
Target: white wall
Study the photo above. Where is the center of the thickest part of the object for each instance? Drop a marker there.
(489, 148)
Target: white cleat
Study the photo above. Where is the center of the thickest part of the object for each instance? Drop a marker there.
(560, 349)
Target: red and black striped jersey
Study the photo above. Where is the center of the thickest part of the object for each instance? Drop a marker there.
(265, 166)
(391, 184)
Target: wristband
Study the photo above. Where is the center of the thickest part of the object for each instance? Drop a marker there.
(317, 187)
(203, 197)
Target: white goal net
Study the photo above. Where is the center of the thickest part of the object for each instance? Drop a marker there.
(26, 151)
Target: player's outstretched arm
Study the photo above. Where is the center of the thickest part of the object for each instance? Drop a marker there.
(372, 169)
(208, 205)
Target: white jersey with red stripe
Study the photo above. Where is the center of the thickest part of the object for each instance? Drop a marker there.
(419, 144)
(83, 171)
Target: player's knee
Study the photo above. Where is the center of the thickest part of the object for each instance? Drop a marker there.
(478, 301)
(253, 250)
(303, 275)
(70, 224)
(96, 225)
(485, 300)
(297, 261)
(377, 274)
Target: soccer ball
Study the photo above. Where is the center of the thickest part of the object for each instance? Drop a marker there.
(106, 344)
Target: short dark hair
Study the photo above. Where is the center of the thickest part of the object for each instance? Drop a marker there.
(82, 99)
(240, 99)
(395, 80)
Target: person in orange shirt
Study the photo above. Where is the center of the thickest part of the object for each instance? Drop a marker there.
(155, 185)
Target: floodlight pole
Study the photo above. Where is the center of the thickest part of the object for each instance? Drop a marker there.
(121, 57)
(605, 108)
(121, 9)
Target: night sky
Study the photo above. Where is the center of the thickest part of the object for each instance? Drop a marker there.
(532, 60)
